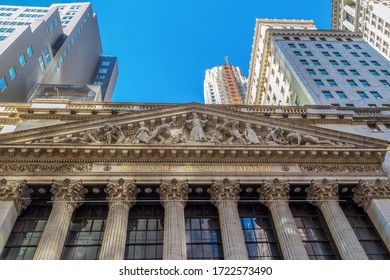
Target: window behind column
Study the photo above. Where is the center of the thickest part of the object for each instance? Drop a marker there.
(203, 234)
(86, 233)
(26, 233)
(259, 234)
(145, 231)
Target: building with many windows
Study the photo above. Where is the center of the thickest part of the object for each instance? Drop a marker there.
(371, 18)
(193, 181)
(224, 85)
(39, 48)
(300, 67)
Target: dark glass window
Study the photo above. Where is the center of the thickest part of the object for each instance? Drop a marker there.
(203, 234)
(145, 231)
(260, 237)
(311, 228)
(365, 231)
(86, 233)
(26, 233)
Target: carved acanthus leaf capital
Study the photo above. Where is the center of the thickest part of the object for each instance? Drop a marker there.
(322, 191)
(16, 191)
(275, 190)
(367, 190)
(174, 191)
(68, 192)
(225, 191)
(121, 191)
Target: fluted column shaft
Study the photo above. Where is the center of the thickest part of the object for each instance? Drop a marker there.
(275, 196)
(374, 198)
(14, 198)
(224, 196)
(173, 198)
(324, 194)
(122, 197)
(66, 198)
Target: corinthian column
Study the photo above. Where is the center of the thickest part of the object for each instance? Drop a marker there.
(224, 196)
(275, 195)
(174, 197)
(324, 194)
(14, 198)
(374, 197)
(66, 197)
(121, 197)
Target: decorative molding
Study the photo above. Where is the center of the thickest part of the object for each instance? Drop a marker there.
(322, 191)
(16, 191)
(42, 168)
(121, 191)
(367, 190)
(69, 193)
(174, 191)
(224, 191)
(340, 168)
(275, 190)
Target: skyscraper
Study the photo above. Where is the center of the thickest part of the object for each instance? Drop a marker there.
(39, 48)
(371, 18)
(224, 85)
(301, 67)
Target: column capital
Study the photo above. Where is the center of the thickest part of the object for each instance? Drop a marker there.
(367, 190)
(174, 191)
(224, 191)
(275, 190)
(17, 191)
(121, 191)
(320, 191)
(68, 192)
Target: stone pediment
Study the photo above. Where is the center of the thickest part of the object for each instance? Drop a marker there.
(188, 125)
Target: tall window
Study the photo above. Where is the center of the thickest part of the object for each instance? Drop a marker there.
(203, 234)
(26, 233)
(260, 237)
(86, 233)
(145, 231)
(311, 229)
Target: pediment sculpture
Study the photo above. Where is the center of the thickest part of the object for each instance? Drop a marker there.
(194, 130)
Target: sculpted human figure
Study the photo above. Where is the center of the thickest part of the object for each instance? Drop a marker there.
(196, 126)
(250, 135)
(275, 136)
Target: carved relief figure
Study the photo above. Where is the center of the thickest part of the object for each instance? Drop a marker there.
(275, 137)
(196, 126)
(250, 135)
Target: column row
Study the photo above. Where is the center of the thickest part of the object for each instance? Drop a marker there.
(121, 195)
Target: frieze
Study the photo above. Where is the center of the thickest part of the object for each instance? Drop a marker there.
(41, 168)
(340, 168)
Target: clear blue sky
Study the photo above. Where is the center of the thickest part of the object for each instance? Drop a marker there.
(165, 46)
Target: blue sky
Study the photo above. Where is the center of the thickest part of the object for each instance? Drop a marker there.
(165, 46)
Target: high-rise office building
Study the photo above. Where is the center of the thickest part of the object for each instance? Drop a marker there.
(303, 67)
(371, 18)
(53, 52)
(224, 85)
(260, 52)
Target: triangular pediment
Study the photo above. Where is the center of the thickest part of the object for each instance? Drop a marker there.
(189, 125)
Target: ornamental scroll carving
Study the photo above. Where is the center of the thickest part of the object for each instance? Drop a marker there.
(367, 190)
(121, 191)
(275, 190)
(40, 168)
(174, 191)
(71, 194)
(322, 191)
(16, 191)
(224, 191)
(340, 168)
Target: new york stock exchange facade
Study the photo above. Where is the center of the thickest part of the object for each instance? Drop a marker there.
(191, 181)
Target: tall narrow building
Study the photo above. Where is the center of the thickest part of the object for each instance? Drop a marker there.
(371, 18)
(53, 52)
(224, 85)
